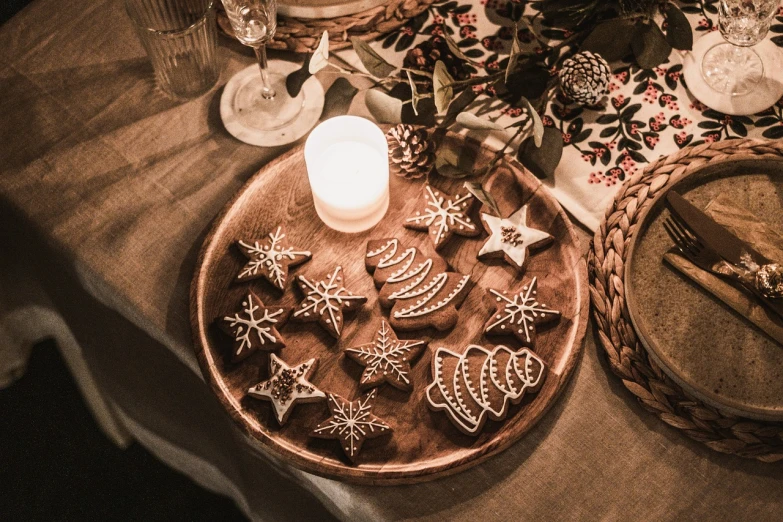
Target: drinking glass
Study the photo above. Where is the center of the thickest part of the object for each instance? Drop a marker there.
(180, 37)
(734, 67)
(262, 102)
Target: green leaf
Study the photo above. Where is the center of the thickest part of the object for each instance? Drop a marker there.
(371, 60)
(482, 195)
(454, 48)
(530, 82)
(320, 57)
(461, 102)
(384, 108)
(414, 93)
(513, 57)
(542, 161)
(678, 30)
(425, 107)
(538, 125)
(295, 80)
(650, 46)
(454, 161)
(450, 171)
(338, 98)
(473, 122)
(610, 39)
(441, 83)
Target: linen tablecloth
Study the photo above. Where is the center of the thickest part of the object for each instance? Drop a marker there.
(106, 193)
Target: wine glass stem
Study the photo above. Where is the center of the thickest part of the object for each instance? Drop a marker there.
(267, 91)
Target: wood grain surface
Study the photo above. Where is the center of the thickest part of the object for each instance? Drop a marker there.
(424, 444)
(705, 345)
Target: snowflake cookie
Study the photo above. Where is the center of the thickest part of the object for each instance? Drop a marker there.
(287, 386)
(254, 327)
(351, 423)
(420, 290)
(511, 238)
(519, 313)
(443, 215)
(481, 384)
(325, 300)
(270, 258)
(386, 359)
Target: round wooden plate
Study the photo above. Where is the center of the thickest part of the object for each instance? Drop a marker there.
(702, 344)
(424, 444)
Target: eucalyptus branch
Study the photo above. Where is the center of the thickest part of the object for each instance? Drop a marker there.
(417, 71)
(501, 153)
(570, 40)
(541, 101)
(529, 25)
(377, 81)
(420, 97)
(478, 80)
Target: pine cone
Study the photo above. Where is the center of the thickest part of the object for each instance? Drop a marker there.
(425, 54)
(410, 150)
(584, 78)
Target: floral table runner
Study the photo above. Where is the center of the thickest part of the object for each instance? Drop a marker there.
(647, 114)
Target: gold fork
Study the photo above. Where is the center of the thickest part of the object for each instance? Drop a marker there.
(707, 259)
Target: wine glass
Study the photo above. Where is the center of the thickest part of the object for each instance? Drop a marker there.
(733, 67)
(261, 102)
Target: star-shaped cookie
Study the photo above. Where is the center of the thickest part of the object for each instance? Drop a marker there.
(254, 327)
(287, 386)
(325, 300)
(270, 258)
(386, 359)
(351, 423)
(443, 215)
(519, 314)
(511, 238)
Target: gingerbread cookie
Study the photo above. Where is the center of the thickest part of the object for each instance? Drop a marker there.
(351, 423)
(270, 258)
(519, 313)
(386, 359)
(287, 386)
(511, 238)
(254, 327)
(325, 300)
(419, 289)
(481, 384)
(443, 215)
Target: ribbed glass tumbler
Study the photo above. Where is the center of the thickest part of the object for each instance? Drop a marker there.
(180, 37)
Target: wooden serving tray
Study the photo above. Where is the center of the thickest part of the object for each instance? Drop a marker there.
(710, 350)
(424, 444)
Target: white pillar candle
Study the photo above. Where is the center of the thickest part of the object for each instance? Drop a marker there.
(347, 161)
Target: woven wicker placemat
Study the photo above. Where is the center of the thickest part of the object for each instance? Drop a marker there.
(302, 35)
(628, 358)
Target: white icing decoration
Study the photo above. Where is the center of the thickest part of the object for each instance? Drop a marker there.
(245, 324)
(516, 250)
(420, 307)
(287, 386)
(458, 410)
(351, 423)
(443, 213)
(414, 279)
(327, 296)
(270, 255)
(387, 356)
(523, 310)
